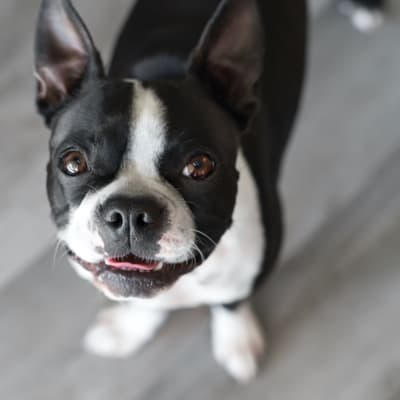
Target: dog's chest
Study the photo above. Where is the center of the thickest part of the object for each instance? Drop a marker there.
(228, 274)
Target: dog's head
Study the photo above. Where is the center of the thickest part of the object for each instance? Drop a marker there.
(141, 178)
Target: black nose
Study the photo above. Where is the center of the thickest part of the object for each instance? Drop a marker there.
(124, 220)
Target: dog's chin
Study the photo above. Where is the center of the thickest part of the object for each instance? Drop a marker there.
(132, 277)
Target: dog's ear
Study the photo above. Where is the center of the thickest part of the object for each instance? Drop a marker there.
(230, 55)
(65, 56)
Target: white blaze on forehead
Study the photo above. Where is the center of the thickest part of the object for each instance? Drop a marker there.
(148, 132)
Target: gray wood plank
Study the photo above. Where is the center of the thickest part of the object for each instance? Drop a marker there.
(348, 124)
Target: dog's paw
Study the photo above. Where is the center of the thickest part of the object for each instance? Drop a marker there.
(237, 340)
(121, 331)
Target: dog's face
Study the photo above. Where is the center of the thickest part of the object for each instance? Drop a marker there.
(142, 191)
(141, 178)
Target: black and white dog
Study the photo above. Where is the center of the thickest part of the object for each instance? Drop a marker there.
(163, 172)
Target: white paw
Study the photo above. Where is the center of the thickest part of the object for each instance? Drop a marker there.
(367, 21)
(363, 19)
(110, 341)
(238, 343)
(121, 331)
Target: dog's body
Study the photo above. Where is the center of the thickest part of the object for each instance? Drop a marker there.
(163, 175)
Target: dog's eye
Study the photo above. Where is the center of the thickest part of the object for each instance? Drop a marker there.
(74, 164)
(200, 167)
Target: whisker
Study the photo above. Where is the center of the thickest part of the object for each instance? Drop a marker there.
(59, 244)
(205, 236)
(198, 250)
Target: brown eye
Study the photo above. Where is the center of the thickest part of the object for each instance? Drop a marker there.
(74, 164)
(200, 167)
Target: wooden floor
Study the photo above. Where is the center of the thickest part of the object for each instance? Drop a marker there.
(333, 308)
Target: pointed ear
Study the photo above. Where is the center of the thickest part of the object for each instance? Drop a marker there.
(65, 56)
(230, 56)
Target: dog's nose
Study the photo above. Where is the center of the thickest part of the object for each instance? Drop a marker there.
(124, 218)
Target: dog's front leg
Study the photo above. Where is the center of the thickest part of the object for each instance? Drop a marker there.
(122, 330)
(237, 340)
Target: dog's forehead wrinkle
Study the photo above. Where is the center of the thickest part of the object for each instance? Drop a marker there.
(147, 141)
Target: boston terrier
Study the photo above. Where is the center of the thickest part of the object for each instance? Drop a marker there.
(163, 172)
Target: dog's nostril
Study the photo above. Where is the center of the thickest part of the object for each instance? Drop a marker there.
(115, 219)
(144, 219)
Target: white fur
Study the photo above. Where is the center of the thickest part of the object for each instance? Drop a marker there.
(237, 341)
(81, 234)
(140, 170)
(148, 132)
(122, 330)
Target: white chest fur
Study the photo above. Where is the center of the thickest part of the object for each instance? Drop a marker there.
(228, 274)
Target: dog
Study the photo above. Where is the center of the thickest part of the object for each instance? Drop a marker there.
(163, 173)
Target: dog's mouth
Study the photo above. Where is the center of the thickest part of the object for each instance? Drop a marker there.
(133, 276)
(133, 263)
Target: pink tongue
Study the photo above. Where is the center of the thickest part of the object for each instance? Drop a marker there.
(131, 266)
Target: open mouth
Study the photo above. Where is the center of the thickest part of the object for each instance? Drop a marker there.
(133, 263)
(131, 276)
(133, 266)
